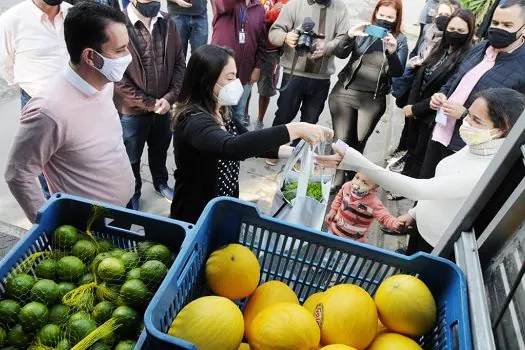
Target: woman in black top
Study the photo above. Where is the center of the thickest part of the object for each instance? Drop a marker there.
(209, 143)
(438, 67)
(358, 100)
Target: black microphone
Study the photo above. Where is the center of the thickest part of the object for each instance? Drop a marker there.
(308, 24)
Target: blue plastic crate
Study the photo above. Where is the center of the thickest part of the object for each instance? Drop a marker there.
(64, 209)
(307, 261)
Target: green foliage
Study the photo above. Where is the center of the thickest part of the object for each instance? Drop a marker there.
(478, 7)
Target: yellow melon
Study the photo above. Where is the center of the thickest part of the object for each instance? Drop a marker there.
(268, 293)
(337, 347)
(347, 315)
(393, 341)
(406, 305)
(312, 301)
(284, 326)
(233, 272)
(244, 346)
(210, 323)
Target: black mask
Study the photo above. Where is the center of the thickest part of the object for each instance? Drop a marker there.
(149, 10)
(499, 38)
(441, 22)
(455, 38)
(53, 2)
(385, 24)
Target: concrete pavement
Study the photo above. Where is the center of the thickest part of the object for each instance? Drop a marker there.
(258, 182)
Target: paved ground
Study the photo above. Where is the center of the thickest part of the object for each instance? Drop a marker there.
(258, 181)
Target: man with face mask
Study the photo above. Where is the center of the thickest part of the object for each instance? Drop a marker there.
(70, 130)
(494, 63)
(148, 89)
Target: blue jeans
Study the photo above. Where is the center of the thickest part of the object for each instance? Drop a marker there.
(192, 29)
(24, 99)
(155, 130)
(238, 111)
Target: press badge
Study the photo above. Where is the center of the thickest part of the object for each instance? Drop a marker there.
(242, 37)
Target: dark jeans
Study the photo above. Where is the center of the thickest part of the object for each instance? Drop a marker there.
(24, 99)
(416, 243)
(418, 135)
(154, 130)
(306, 94)
(192, 29)
(434, 154)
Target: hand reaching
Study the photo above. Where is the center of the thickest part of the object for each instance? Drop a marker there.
(333, 160)
(330, 216)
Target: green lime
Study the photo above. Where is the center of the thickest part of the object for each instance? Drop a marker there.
(126, 316)
(117, 253)
(159, 252)
(63, 345)
(9, 310)
(134, 292)
(153, 272)
(131, 260)
(46, 269)
(65, 237)
(81, 315)
(79, 329)
(19, 286)
(133, 274)
(64, 288)
(18, 337)
(84, 249)
(49, 335)
(45, 291)
(143, 247)
(105, 245)
(33, 315)
(111, 270)
(107, 291)
(126, 345)
(102, 311)
(58, 314)
(70, 269)
(98, 259)
(3, 336)
(86, 278)
(100, 346)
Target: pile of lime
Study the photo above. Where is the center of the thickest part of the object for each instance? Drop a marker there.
(34, 312)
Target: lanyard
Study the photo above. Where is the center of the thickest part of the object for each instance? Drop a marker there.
(243, 15)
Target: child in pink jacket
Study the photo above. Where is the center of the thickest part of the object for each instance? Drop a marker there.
(355, 207)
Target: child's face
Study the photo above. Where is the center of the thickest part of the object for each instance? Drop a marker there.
(362, 185)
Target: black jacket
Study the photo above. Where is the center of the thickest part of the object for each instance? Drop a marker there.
(509, 72)
(357, 47)
(199, 143)
(420, 94)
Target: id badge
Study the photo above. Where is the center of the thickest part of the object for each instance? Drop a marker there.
(242, 37)
(441, 118)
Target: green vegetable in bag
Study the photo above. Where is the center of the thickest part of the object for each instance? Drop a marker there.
(313, 190)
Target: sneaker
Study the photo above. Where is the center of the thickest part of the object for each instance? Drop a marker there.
(397, 155)
(246, 121)
(393, 233)
(135, 205)
(259, 125)
(398, 166)
(165, 191)
(394, 197)
(271, 162)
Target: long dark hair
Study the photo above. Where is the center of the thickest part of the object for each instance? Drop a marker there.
(203, 70)
(504, 105)
(440, 48)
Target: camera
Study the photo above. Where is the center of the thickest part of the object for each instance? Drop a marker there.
(306, 37)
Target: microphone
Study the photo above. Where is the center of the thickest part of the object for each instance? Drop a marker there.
(308, 24)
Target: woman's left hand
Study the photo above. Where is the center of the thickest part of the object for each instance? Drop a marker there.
(256, 74)
(391, 43)
(333, 160)
(453, 110)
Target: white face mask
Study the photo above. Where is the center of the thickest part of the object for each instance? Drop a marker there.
(230, 94)
(474, 136)
(114, 68)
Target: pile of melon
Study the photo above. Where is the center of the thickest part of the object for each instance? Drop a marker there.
(344, 317)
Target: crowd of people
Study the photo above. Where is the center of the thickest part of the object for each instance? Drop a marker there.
(100, 79)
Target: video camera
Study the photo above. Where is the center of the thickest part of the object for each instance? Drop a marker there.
(306, 37)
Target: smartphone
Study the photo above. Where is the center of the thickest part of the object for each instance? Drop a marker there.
(376, 31)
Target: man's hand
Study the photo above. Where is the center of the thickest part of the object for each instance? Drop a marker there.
(162, 106)
(182, 3)
(256, 74)
(408, 111)
(453, 110)
(330, 216)
(437, 101)
(405, 220)
(291, 39)
(390, 43)
(320, 49)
